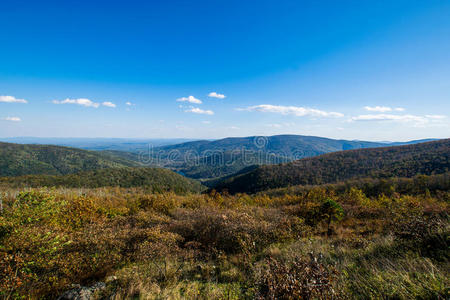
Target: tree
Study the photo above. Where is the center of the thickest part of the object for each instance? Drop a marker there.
(331, 211)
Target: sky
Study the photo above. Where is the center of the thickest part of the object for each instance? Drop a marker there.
(368, 70)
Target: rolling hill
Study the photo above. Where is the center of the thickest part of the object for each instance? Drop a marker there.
(213, 159)
(154, 179)
(397, 161)
(17, 160)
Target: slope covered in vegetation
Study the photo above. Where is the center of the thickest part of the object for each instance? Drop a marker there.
(147, 233)
(154, 179)
(225, 164)
(17, 160)
(207, 159)
(319, 243)
(401, 161)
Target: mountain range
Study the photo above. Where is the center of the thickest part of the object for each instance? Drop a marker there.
(203, 160)
(97, 144)
(206, 159)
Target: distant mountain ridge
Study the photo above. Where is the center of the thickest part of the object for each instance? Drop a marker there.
(98, 144)
(396, 161)
(283, 145)
(204, 159)
(212, 159)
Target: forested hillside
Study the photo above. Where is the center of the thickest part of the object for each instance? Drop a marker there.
(227, 163)
(17, 160)
(402, 161)
(213, 159)
(154, 179)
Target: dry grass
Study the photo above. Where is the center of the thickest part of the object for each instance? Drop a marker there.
(213, 246)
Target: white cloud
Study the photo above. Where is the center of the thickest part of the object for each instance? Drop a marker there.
(291, 110)
(234, 128)
(382, 108)
(197, 110)
(206, 122)
(436, 117)
(216, 95)
(128, 103)
(389, 117)
(11, 99)
(190, 99)
(109, 104)
(416, 121)
(13, 119)
(84, 102)
(80, 101)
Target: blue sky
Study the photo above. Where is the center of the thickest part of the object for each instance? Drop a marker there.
(372, 70)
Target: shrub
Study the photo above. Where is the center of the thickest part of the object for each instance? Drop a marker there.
(429, 236)
(298, 279)
(13, 274)
(330, 211)
(233, 231)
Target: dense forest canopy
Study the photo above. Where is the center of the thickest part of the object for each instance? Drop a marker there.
(401, 161)
(18, 159)
(206, 160)
(154, 179)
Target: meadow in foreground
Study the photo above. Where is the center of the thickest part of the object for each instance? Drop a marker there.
(318, 242)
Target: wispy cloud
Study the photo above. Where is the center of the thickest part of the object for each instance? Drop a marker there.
(84, 102)
(80, 101)
(216, 95)
(291, 110)
(11, 99)
(129, 105)
(190, 99)
(206, 122)
(197, 110)
(436, 117)
(417, 121)
(108, 104)
(388, 117)
(383, 108)
(12, 119)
